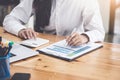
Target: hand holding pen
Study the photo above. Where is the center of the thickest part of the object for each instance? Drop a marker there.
(76, 39)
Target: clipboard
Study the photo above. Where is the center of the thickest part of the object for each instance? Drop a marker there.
(69, 53)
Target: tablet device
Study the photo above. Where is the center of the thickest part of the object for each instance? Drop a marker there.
(63, 51)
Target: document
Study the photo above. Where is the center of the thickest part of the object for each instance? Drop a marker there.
(34, 42)
(19, 52)
(63, 51)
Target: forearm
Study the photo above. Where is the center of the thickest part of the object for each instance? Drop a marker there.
(12, 25)
(20, 15)
(95, 36)
(93, 22)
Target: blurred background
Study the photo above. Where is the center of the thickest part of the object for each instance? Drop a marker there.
(110, 11)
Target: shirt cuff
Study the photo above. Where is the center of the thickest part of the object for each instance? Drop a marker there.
(19, 27)
(90, 36)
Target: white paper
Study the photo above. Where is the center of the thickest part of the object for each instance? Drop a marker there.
(34, 42)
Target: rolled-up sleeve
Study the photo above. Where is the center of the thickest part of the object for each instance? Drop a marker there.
(93, 22)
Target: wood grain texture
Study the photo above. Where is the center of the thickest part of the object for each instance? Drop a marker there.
(101, 64)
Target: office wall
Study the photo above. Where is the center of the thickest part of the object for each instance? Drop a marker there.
(105, 11)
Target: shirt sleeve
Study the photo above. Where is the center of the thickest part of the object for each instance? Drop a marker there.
(19, 16)
(92, 21)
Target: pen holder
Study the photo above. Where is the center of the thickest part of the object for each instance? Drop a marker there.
(4, 68)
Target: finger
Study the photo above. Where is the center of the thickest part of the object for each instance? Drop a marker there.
(23, 35)
(31, 34)
(28, 34)
(34, 34)
(66, 38)
(81, 40)
(71, 37)
(78, 42)
(73, 41)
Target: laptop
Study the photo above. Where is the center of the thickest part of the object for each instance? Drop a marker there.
(19, 52)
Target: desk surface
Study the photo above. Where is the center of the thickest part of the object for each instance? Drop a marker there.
(101, 64)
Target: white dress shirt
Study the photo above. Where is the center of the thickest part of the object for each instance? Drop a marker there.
(65, 16)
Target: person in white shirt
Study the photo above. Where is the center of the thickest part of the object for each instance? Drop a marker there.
(83, 16)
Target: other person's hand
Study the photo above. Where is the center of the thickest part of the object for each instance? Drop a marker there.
(27, 33)
(77, 39)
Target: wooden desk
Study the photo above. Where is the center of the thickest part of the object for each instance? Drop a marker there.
(102, 64)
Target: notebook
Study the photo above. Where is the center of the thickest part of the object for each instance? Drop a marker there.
(69, 53)
(34, 42)
(19, 52)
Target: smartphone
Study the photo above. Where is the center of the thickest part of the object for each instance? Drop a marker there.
(21, 76)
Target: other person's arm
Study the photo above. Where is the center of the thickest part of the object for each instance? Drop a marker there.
(14, 22)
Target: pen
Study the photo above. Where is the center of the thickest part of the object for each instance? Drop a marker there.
(74, 30)
(1, 49)
(1, 44)
(9, 47)
(5, 48)
(0, 39)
